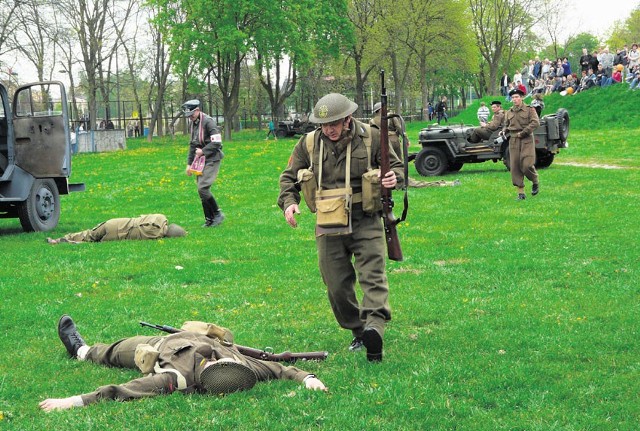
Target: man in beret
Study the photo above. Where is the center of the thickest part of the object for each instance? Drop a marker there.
(520, 122)
(485, 130)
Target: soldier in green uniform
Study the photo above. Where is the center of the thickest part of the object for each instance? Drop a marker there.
(356, 247)
(205, 141)
(485, 130)
(520, 122)
(186, 362)
(152, 226)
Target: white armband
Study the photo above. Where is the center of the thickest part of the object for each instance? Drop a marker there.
(216, 138)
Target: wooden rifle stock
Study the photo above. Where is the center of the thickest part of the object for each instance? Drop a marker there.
(256, 353)
(391, 234)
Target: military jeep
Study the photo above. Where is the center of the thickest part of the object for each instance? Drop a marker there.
(35, 154)
(447, 148)
(288, 128)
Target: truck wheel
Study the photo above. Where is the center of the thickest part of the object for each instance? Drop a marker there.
(455, 166)
(505, 158)
(544, 159)
(431, 162)
(281, 133)
(563, 117)
(41, 211)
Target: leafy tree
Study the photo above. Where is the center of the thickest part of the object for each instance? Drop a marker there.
(627, 32)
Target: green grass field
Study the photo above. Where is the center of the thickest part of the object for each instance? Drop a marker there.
(506, 315)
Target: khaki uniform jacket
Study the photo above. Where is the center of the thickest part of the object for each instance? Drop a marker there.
(521, 122)
(212, 150)
(334, 165)
(186, 352)
(496, 121)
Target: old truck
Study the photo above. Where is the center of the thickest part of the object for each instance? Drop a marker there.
(35, 154)
(447, 148)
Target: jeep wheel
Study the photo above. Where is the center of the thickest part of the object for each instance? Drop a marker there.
(505, 158)
(281, 133)
(455, 166)
(544, 159)
(563, 116)
(41, 211)
(431, 162)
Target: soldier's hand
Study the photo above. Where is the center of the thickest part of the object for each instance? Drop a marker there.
(56, 404)
(199, 152)
(289, 215)
(188, 171)
(389, 181)
(315, 384)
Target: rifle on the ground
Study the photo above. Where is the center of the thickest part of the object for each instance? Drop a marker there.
(390, 222)
(264, 355)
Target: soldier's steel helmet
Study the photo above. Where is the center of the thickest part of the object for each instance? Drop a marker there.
(189, 107)
(332, 107)
(225, 376)
(377, 107)
(175, 231)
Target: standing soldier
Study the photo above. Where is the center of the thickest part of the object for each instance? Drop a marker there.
(395, 127)
(335, 157)
(520, 121)
(205, 140)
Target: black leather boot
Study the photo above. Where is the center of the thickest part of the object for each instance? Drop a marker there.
(208, 214)
(69, 335)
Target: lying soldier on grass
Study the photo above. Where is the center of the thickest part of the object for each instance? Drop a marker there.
(186, 361)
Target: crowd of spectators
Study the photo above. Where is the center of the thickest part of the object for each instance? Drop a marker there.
(600, 68)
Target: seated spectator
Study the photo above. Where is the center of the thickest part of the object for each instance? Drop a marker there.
(520, 86)
(635, 81)
(616, 77)
(601, 76)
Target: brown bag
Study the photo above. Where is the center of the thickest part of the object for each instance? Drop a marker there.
(334, 207)
(145, 357)
(211, 330)
(307, 182)
(371, 194)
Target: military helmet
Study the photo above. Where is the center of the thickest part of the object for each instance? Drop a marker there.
(189, 107)
(377, 107)
(175, 231)
(332, 107)
(227, 375)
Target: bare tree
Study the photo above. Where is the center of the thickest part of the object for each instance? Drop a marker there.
(501, 27)
(36, 36)
(8, 24)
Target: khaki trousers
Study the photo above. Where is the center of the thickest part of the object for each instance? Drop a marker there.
(522, 156)
(340, 257)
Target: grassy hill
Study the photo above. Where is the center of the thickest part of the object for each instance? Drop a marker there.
(613, 107)
(506, 315)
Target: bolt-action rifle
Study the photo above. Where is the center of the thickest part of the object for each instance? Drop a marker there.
(265, 355)
(391, 234)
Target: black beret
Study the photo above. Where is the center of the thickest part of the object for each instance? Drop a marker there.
(496, 102)
(516, 91)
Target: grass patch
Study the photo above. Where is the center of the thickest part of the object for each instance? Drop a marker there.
(506, 315)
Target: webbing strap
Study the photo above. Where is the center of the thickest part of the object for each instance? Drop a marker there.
(182, 382)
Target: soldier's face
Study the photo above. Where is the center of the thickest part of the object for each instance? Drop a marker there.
(495, 108)
(516, 99)
(333, 130)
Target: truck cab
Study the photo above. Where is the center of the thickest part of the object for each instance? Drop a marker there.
(35, 154)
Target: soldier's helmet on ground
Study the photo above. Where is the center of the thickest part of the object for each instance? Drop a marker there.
(175, 231)
(332, 107)
(189, 107)
(377, 107)
(225, 376)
